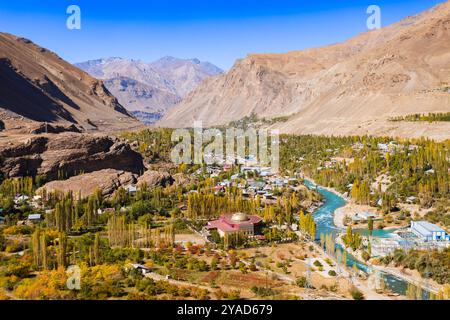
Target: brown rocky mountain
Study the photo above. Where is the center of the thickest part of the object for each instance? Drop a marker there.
(346, 88)
(145, 102)
(38, 86)
(148, 90)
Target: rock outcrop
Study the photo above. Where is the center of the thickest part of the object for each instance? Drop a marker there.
(183, 180)
(48, 128)
(68, 154)
(107, 180)
(156, 178)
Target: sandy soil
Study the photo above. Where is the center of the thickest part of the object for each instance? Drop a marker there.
(192, 238)
(350, 210)
(297, 256)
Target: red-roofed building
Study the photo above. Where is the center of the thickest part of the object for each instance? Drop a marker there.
(238, 222)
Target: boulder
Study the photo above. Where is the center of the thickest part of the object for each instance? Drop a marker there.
(155, 178)
(49, 128)
(107, 180)
(183, 180)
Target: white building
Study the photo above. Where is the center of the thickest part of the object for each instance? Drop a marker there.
(131, 189)
(429, 232)
(36, 217)
(21, 199)
(364, 216)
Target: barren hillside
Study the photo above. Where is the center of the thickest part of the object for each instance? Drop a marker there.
(38, 86)
(347, 88)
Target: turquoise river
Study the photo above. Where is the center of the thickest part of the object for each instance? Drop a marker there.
(324, 217)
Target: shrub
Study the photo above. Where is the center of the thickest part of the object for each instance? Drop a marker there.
(332, 273)
(14, 246)
(17, 230)
(2, 242)
(356, 294)
(365, 255)
(263, 291)
(301, 282)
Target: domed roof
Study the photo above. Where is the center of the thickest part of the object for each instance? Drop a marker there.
(239, 217)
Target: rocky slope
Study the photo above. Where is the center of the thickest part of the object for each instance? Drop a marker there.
(150, 89)
(155, 178)
(106, 180)
(38, 86)
(346, 88)
(65, 155)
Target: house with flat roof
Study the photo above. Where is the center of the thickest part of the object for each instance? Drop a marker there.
(427, 231)
(34, 218)
(131, 189)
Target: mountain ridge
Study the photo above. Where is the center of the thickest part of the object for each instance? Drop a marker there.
(345, 88)
(36, 85)
(150, 88)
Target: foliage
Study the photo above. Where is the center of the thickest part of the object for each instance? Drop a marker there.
(48, 285)
(352, 240)
(263, 291)
(339, 162)
(430, 117)
(432, 263)
(356, 293)
(301, 282)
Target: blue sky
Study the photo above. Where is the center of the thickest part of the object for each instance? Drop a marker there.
(216, 31)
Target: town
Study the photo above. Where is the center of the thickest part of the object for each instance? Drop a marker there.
(233, 220)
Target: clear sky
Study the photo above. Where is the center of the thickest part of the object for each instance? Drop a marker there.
(219, 31)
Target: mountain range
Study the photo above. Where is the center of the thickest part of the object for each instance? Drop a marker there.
(347, 88)
(148, 90)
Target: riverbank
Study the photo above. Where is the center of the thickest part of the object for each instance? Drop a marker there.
(349, 211)
(325, 217)
(326, 188)
(411, 276)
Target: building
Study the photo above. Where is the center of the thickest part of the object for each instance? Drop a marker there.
(21, 199)
(131, 189)
(364, 216)
(141, 268)
(383, 147)
(237, 222)
(36, 217)
(429, 232)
